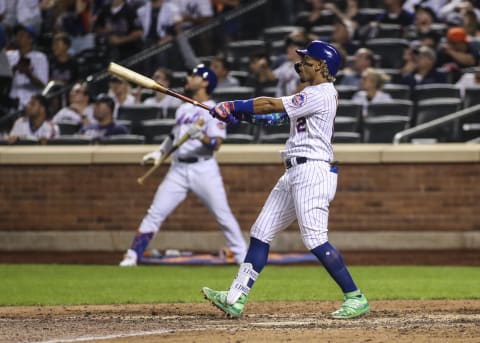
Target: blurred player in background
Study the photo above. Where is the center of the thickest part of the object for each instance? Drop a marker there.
(308, 185)
(194, 168)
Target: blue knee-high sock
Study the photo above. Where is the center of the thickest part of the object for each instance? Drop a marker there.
(257, 255)
(332, 260)
(140, 243)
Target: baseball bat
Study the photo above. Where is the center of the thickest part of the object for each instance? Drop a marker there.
(146, 82)
(182, 140)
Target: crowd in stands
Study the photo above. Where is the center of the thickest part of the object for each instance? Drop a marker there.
(383, 43)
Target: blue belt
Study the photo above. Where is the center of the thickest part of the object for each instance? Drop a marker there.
(293, 161)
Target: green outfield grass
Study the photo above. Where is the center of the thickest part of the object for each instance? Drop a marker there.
(75, 284)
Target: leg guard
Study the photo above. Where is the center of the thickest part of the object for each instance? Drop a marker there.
(240, 283)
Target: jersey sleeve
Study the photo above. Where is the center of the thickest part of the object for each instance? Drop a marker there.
(303, 103)
(216, 128)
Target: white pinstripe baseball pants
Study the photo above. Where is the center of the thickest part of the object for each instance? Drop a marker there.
(303, 192)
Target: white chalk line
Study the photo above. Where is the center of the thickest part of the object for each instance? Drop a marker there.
(122, 335)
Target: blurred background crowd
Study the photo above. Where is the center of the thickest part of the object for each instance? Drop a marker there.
(405, 63)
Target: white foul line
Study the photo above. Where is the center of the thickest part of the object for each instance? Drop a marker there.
(122, 335)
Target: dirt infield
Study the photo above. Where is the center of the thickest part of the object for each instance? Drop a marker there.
(389, 321)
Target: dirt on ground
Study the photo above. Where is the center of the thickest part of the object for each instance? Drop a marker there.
(389, 321)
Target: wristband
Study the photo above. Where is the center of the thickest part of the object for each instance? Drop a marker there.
(213, 143)
(243, 106)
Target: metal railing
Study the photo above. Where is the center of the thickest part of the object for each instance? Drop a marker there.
(402, 136)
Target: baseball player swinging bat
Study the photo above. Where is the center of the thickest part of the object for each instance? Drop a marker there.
(182, 140)
(146, 82)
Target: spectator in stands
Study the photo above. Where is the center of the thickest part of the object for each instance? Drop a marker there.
(164, 77)
(79, 109)
(468, 80)
(230, 29)
(342, 35)
(160, 20)
(457, 53)
(120, 92)
(363, 59)
(197, 12)
(103, 113)
(371, 86)
(472, 27)
(435, 5)
(29, 67)
(424, 72)
(34, 125)
(393, 14)
(287, 78)
(63, 68)
(118, 21)
(221, 68)
(429, 38)
(22, 12)
(424, 18)
(316, 16)
(75, 17)
(261, 74)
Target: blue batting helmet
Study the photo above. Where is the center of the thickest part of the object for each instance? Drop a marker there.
(324, 52)
(206, 74)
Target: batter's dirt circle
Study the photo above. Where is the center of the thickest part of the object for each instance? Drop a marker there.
(389, 321)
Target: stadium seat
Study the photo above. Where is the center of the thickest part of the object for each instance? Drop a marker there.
(344, 123)
(178, 78)
(268, 91)
(352, 110)
(70, 140)
(242, 133)
(436, 90)
(240, 75)
(123, 139)
(274, 134)
(472, 96)
(431, 109)
(428, 110)
(323, 32)
(368, 14)
(397, 91)
(68, 127)
(394, 74)
(138, 113)
(382, 129)
(346, 92)
(156, 127)
(346, 137)
(280, 32)
(389, 31)
(389, 49)
(233, 93)
(395, 107)
(243, 49)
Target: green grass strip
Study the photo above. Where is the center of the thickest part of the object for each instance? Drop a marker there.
(79, 284)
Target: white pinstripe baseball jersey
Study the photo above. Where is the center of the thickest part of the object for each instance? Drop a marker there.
(305, 190)
(312, 113)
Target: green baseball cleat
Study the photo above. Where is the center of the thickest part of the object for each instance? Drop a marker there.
(219, 299)
(355, 304)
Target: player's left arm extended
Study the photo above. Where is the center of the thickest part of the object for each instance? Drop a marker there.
(270, 119)
(263, 111)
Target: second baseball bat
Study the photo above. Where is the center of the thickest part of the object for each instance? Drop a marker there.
(182, 140)
(146, 82)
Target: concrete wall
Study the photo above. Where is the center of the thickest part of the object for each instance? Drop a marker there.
(389, 197)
